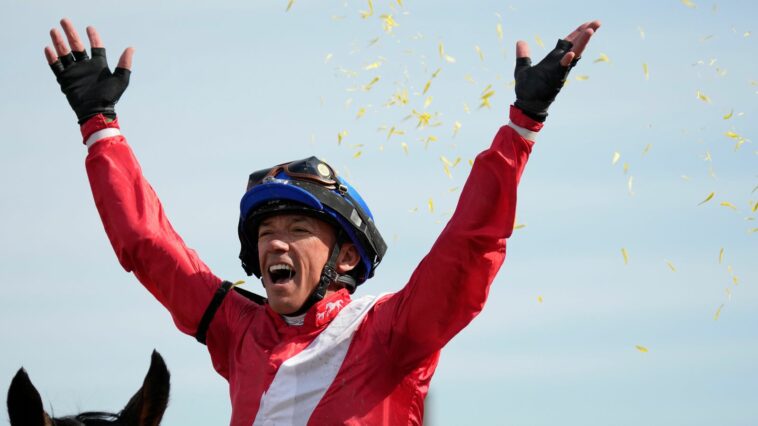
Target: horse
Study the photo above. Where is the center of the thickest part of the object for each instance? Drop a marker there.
(145, 408)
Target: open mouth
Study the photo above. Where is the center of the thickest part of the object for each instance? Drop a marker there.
(280, 273)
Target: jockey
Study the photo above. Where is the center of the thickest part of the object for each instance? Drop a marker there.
(309, 353)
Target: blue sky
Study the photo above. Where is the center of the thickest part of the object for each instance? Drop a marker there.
(219, 90)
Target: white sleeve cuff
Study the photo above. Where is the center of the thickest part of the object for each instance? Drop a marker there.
(525, 133)
(101, 134)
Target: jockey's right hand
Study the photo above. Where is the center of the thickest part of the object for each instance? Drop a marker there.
(89, 85)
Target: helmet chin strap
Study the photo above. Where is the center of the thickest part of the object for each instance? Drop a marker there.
(329, 275)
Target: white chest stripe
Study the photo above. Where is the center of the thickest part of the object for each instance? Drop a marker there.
(302, 380)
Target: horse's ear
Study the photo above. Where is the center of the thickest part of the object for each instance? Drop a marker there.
(24, 402)
(147, 405)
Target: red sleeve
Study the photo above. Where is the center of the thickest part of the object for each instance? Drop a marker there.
(450, 285)
(146, 244)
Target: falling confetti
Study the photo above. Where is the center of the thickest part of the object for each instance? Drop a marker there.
(499, 30)
(602, 58)
(539, 41)
(721, 255)
(289, 5)
(582, 77)
(405, 147)
(430, 205)
(444, 55)
(328, 57)
(389, 23)
(361, 112)
(616, 157)
(629, 183)
(642, 32)
(519, 226)
(539, 299)
(703, 97)
(646, 71)
(671, 265)
(728, 116)
(626, 256)
(340, 136)
(370, 84)
(367, 13)
(729, 205)
(487, 93)
(647, 149)
(456, 127)
(718, 313)
(689, 4)
(708, 198)
(641, 348)
(357, 154)
(479, 52)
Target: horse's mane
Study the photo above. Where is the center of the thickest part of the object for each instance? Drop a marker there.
(93, 418)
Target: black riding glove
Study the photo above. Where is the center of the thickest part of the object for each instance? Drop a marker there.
(88, 83)
(537, 86)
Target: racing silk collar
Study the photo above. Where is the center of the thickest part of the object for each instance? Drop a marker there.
(320, 314)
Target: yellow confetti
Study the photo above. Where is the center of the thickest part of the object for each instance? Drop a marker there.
(427, 101)
(582, 77)
(328, 58)
(446, 169)
(708, 198)
(755, 207)
(519, 226)
(642, 32)
(646, 71)
(466, 108)
(728, 116)
(647, 149)
(499, 30)
(399, 98)
(341, 135)
(426, 87)
(753, 230)
(689, 3)
(430, 205)
(238, 282)
(373, 41)
(444, 55)
(626, 256)
(539, 41)
(729, 205)
(457, 126)
(487, 93)
(373, 65)
(289, 5)
(721, 255)
(602, 58)
(616, 157)
(370, 84)
(365, 14)
(423, 119)
(405, 147)
(453, 189)
(430, 138)
(731, 134)
(539, 299)
(456, 162)
(718, 313)
(357, 154)
(746, 34)
(413, 210)
(641, 348)
(671, 265)
(629, 184)
(626, 168)
(361, 112)
(394, 131)
(389, 23)
(479, 52)
(471, 162)
(703, 97)
(437, 71)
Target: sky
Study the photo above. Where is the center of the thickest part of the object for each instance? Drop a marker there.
(628, 295)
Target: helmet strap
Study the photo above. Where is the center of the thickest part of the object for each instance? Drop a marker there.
(328, 275)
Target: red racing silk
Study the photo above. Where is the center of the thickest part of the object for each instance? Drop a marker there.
(362, 362)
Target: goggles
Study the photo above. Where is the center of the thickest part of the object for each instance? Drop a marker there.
(310, 169)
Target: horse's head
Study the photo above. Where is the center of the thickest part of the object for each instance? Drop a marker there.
(144, 409)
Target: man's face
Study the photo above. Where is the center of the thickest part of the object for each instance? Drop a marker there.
(292, 251)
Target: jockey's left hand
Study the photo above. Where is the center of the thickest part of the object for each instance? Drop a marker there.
(537, 86)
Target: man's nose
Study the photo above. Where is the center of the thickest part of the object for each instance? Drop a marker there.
(278, 244)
